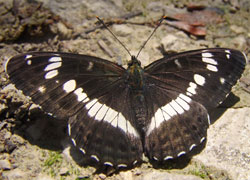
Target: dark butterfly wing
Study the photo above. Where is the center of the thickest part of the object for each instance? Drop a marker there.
(182, 86)
(89, 90)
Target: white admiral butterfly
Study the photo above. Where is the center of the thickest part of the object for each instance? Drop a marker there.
(116, 114)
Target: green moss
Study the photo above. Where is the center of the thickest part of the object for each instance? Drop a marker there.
(199, 173)
(53, 163)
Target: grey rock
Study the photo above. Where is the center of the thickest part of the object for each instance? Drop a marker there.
(15, 174)
(7, 135)
(166, 176)
(122, 29)
(228, 144)
(102, 176)
(64, 171)
(5, 164)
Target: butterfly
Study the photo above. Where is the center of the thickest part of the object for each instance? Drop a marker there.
(116, 114)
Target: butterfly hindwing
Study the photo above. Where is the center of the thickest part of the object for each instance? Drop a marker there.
(104, 129)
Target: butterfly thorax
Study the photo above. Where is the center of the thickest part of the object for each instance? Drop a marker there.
(135, 74)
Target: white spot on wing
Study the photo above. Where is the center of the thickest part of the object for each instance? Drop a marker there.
(108, 164)
(55, 59)
(82, 150)
(94, 109)
(181, 153)
(51, 74)
(207, 55)
(178, 63)
(81, 95)
(168, 157)
(168, 109)
(209, 61)
(90, 66)
(212, 68)
(199, 79)
(131, 129)
(114, 122)
(155, 158)
(202, 139)
(222, 80)
(192, 146)
(28, 56)
(151, 126)
(29, 62)
(101, 113)
(183, 103)
(177, 107)
(105, 113)
(73, 141)
(192, 87)
(69, 86)
(90, 104)
(110, 115)
(188, 93)
(95, 158)
(186, 98)
(159, 118)
(42, 89)
(208, 118)
(122, 165)
(52, 66)
(228, 54)
(69, 129)
(122, 124)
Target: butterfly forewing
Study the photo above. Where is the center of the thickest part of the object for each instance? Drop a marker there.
(58, 81)
(206, 75)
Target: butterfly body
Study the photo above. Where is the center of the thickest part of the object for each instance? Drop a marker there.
(115, 114)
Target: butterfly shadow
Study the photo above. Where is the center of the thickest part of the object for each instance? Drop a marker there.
(216, 113)
(42, 130)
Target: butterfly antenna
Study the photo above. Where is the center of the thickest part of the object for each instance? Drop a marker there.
(101, 21)
(159, 23)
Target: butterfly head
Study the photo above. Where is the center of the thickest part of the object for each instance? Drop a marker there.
(134, 62)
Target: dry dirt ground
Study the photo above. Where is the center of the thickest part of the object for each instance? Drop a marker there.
(34, 145)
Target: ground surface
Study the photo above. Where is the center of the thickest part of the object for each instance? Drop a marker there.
(34, 145)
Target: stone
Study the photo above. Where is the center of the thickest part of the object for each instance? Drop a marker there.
(228, 144)
(168, 40)
(127, 175)
(5, 164)
(237, 29)
(122, 29)
(102, 176)
(166, 176)
(15, 174)
(64, 171)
